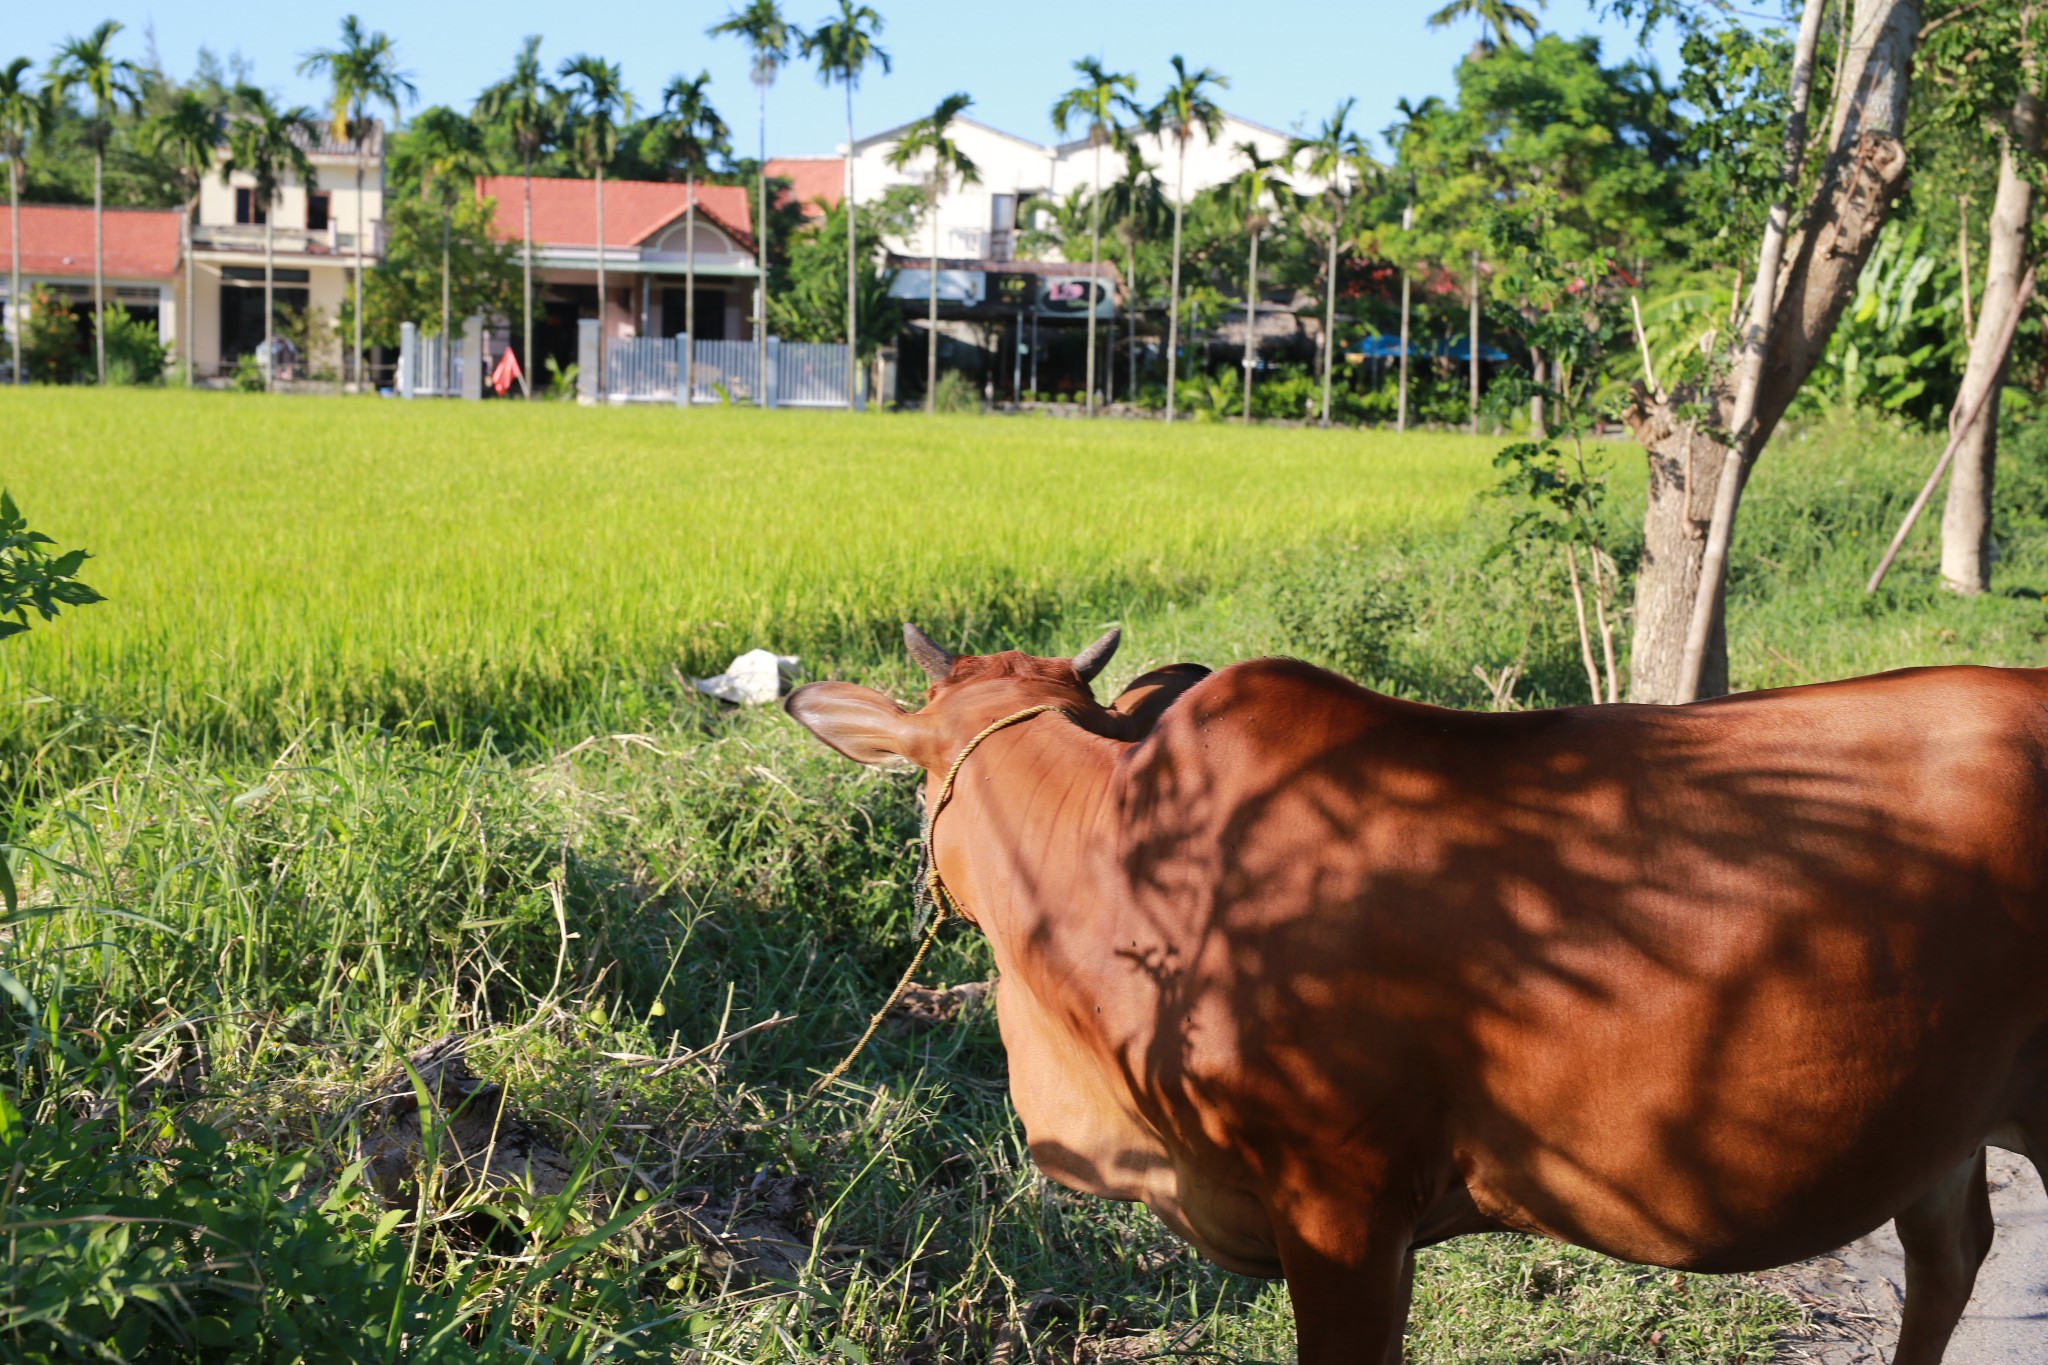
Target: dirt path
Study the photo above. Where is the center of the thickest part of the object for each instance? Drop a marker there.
(1853, 1296)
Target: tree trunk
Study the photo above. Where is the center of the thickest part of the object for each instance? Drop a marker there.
(526, 238)
(1330, 311)
(1966, 551)
(690, 290)
(1251, 328)
(1131, 308)
(355, 363)
(852, 253)
(761, 261)
(191, 327)
(99, 267)
(447, 312)
(1401, 405)
(931, 317)
(1180, 189)
(1472, 344)
(269, 296)
(1858, 182)
(597, 380)
(14, 264)
(1094, 264)
(1539, 374)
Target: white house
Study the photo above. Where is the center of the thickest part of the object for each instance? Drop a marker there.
(313, 228)
(980, 222)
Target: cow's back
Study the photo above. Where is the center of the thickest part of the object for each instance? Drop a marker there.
(1650, 977)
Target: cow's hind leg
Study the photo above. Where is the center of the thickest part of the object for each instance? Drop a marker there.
(1946, 1233)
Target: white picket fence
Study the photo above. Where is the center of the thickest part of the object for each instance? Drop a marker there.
(650, 370)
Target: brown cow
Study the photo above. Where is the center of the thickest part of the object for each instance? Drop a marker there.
(1323, 977)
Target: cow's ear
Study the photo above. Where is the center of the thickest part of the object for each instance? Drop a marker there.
(857, 721)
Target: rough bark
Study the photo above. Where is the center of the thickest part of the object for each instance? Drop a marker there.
(1966, 550)
(1857, 186)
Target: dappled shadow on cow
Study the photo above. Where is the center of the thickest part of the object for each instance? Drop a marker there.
(1322, 976)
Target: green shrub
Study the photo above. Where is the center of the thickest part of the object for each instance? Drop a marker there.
(955, 393)
(52, 345)
(249, 377)
(135, 353)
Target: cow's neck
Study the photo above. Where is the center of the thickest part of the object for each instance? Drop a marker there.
(1027, 828)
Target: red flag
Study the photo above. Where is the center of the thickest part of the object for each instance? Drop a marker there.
(507, 373)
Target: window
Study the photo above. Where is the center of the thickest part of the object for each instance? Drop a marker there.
(1002, 226)
(317, 202)
(248, 209)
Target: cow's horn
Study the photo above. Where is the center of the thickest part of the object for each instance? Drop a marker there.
(936, 662)
(1089, 661)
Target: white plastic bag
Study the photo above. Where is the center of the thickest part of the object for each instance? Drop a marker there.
(753, 679)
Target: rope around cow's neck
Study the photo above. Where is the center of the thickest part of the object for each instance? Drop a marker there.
(933, 887)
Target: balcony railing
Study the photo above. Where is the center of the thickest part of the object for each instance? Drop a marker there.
(287, 241)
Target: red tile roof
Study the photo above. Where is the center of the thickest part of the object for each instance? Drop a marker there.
(565, 211)
(811, 179)
(56, 240)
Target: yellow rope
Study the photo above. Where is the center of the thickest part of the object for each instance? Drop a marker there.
(941, 898)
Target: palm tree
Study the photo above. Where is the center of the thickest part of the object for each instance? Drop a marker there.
(1094, 104)
(364, 71)
(529, 108)
(188, 134)
(687, 133)
(763, 28)
(597, 103)
(24, 113)
(1397, 135)
(268, 144)
(1252, 189)
(108, 80)
(449, 151)
(1498, 20)
(931, 136)
(842, 46)
(1331, 154)
(1136, 206)
(1184, 107)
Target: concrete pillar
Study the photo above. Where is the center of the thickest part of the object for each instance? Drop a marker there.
(683, 377)
(472, 358)
(408, 356)
(586, 360)
(766, 398)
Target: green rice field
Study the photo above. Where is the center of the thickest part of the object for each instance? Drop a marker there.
(272, 561)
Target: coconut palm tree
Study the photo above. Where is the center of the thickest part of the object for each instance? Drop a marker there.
(763, 28)
(1135, 205)
(189, 135)
(687, 133)
(1253, 191)
(1184, 107)
(598, 99)
(843, 46)
(108, 80)
(363, 69)
(25, 113)
(1397, 135)
(448, 151)
(1093, 104)
(931, 137)
(529, 108)
(1498, 20)
(268, 144)
(1332, 155)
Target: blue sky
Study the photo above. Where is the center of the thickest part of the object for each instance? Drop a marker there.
(1289, 61)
